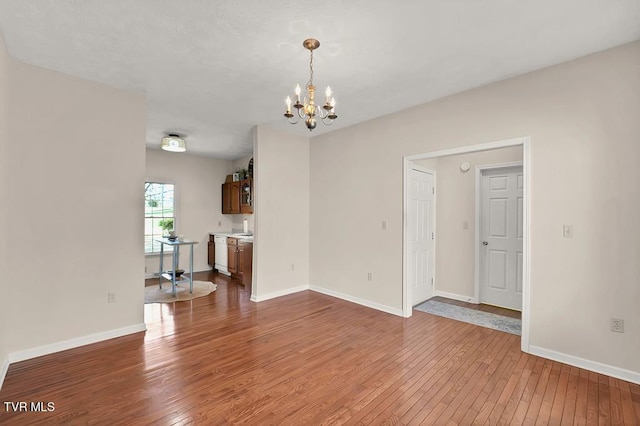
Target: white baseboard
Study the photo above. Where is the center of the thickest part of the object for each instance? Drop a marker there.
(3, 370)
(618, 373)
(454, 296)
(348, 298)
(363, 302)
(279, 293)
(74, 343)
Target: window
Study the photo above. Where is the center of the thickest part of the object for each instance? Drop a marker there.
(159, 213)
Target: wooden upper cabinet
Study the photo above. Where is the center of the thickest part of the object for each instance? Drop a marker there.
(246, 196)
(237, 197)
(231, 197)
(226, 199)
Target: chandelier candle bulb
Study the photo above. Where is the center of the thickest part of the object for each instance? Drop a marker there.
(297, 93)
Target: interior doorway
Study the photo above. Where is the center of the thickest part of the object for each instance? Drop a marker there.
(409, 161)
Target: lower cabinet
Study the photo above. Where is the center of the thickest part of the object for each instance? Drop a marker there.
(247, 266)
(240, 260)
(211, 252)
(232, 255)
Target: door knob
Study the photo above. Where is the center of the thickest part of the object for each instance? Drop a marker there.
(485, 243)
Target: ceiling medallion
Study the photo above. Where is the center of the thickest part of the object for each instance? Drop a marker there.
(307, 109)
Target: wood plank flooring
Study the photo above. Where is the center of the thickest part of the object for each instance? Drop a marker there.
(308, 358)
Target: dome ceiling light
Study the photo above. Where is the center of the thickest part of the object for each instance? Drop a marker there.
(173, 143)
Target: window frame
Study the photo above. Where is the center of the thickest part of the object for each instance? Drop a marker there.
(167, 250)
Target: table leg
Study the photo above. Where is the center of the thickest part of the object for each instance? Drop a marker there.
(173, 274)
(191, 269)
(161, 257)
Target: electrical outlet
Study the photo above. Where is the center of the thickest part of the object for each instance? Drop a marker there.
(369, 276)
(293, 266)
(384, 225)
(111, 297)
(616, 324)
(219, 223)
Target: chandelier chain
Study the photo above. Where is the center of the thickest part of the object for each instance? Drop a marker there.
(310, 70)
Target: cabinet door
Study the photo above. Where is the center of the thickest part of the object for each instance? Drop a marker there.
(211, 254)
(234, 195)
(240, 259)
(226, 198)
(232, 258)
(247, 267)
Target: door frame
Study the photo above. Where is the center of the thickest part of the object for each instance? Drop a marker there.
(525, 142)
(433, 213)
(478, 207)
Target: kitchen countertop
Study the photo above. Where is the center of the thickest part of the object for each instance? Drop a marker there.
(240, 235)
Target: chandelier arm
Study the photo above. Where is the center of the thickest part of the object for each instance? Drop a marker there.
(302, 114)
(292, 122)
(321, 113)
(327, 123)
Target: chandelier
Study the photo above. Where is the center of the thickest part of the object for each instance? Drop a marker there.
(307, 109)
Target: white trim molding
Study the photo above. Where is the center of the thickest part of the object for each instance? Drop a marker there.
(525, 142)
(357, 300)
(598, 367)
(279, 293)
(74, 343)
(454, 296)
(4, 368)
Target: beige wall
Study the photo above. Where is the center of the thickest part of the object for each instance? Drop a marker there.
(455, 205)
(76, 169)
(4, 190)
(281, 246)
(582, 117)
(198, 183)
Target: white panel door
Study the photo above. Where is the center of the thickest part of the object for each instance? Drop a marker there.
(501, 237)
(421, 235)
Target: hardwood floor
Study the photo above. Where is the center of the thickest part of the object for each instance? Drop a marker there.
(308, 358)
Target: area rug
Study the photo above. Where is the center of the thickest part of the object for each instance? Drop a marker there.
(472, 316)
(153, 293)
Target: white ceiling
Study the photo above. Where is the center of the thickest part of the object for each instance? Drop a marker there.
(211, 70)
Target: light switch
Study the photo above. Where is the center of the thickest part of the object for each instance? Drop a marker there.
(567, 231)
(384, 225)
(465, 224)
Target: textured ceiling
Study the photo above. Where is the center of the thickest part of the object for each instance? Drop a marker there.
(211, 70)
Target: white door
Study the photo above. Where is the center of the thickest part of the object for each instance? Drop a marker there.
(421, 235)
(501, 237)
